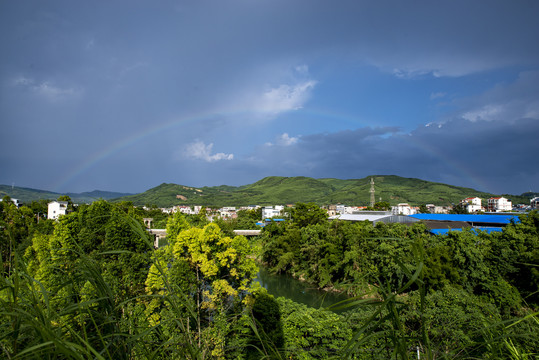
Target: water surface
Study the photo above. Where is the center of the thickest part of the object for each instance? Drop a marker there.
(296, 290)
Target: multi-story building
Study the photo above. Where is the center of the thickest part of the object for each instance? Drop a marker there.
(403, 209)
(472, 204)
(332, 210)
(56, 208)
(228, 212)
(534, 203)
(271, 211)
(14, 201)
(340, 209)
(499, 204)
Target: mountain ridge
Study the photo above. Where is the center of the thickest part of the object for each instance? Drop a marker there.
(274, 190)
(27, 195)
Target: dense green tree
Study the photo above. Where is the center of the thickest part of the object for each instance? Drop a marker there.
(245, 220)
(307, 214)
(382, 205)
(311, 333)
(514, 256)
(17, 227)
(214, 271)
(103, 232)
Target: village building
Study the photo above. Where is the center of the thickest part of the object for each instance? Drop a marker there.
(472, 204)
(534, 203)
(403, 209)
(499, 204)
(271, 211)
(56, 208)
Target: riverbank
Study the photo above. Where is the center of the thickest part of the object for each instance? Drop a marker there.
(284, 285)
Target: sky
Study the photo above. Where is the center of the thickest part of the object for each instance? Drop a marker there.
(126, 95)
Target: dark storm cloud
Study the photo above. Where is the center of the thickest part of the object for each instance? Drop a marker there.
(474, 154)
(79, 80)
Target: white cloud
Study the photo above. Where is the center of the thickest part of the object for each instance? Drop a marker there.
(286, 140)
(504, 102)
(487, 113)
(200, 151)
(46, 89)
(284, 98)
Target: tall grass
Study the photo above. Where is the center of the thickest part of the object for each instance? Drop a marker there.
(97, 324)
(384, 330)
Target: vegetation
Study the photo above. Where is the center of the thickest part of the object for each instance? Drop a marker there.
(465, 287)
(92, 286)
(390, 190)
(27, 195)
(283, 190)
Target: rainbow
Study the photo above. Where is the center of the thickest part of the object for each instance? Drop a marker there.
(107, 152)
(458, 168)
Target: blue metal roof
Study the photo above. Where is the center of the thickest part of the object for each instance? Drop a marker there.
(474, 230)
(493, 219)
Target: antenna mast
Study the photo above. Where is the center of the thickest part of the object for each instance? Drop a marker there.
(372, 192)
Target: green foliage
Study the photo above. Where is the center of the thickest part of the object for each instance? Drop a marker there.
(382, 206)
(267, 335)
(175, 225)
(17, 227)
(307, 214)
(311, 333)
(27, 195)
(478, 279)
(95, 288)
(285, 190)
(515, 256)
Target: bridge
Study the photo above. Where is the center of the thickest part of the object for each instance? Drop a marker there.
(159, 234)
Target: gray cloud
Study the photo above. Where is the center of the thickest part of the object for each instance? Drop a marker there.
(78, 78)
(483, 155)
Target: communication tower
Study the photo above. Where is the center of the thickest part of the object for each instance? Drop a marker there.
(372, 192)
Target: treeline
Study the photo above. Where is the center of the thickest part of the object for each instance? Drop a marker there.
(92, 286)
(465, 283)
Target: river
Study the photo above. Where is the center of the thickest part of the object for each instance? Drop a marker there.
(298, 291)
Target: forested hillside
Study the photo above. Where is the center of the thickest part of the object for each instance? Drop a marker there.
(282, 190)
(288, 190)
(27, 195)
(92, 286)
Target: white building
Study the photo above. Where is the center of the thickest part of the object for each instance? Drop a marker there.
(534, 203)
(228, 212)
(56, 208)
(472, 204)
(250, 207)
(14, 201)
(499, 204)
(271, 211)
(403, 209)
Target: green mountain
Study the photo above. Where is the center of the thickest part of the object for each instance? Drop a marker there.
(288, 190)
(281, 190)
(27, 195)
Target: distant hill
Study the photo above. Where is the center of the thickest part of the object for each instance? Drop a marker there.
(287, 190)
(27, 195)
(274, 190)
